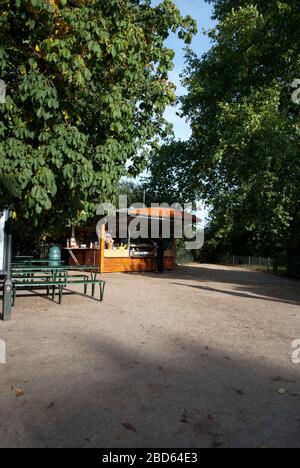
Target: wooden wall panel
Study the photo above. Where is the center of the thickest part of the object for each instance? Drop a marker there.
(121, 265)
(89, 257)
(118, 265)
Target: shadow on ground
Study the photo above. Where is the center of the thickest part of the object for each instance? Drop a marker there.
(234, 282)
(242, 282)
(154, 367)
(195, 397)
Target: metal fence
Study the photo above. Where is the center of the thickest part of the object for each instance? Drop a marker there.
(248, 261)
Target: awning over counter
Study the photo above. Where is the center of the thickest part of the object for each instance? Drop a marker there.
(164, 214)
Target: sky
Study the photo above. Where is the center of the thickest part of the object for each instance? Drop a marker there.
(201, 12)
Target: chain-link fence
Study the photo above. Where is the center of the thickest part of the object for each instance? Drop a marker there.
(248, 261)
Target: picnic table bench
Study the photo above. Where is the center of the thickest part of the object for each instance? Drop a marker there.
(55, 277)
(40, 281)
(39, 262)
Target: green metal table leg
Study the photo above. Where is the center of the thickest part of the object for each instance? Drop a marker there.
(102, 288)
(53, 293)
(60, 294)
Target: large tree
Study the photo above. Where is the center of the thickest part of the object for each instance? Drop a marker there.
(87, 86)
(245, 125)
(245, 147)
(168, 180)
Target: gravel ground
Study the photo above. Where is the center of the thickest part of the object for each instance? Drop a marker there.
(199, 357)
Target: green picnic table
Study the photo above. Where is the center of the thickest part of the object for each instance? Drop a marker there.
(46, 275)
(33, 262)
(22, 258)
(92, 269)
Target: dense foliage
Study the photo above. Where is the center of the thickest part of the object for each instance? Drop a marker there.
(167, 180)
(244, 152)
(133, 190)
(87, 86)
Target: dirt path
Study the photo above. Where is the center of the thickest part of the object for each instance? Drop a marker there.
(201, 357)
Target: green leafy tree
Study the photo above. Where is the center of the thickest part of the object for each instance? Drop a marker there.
(169, 169)
(134, 191)
(87, 86)
(245, 146)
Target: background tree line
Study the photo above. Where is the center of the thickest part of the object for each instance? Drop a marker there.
(243, 157)
(87, 87)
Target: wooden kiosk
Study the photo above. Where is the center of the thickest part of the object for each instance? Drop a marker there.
(127, 255)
